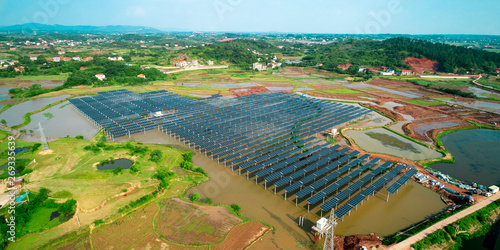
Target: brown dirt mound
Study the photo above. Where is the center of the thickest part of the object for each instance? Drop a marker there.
(357, 241)
(188, 223)
(243, 235)
(422, 64)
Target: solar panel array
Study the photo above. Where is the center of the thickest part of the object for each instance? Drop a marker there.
(402, 180)
(267, 136)
(352, 203)
(122, 112)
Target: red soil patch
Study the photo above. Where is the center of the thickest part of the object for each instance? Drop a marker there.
(243, 235)
(249, 91)
(416, 112)
(344, 66)
(423, 64)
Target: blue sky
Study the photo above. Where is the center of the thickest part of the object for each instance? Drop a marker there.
(301, 16)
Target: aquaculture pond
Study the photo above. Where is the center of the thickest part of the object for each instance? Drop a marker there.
(110, 165)
(14, 115)
(476, 154)
(380, 140)
(60, 121)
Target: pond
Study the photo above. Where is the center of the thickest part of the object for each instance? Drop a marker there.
(14, 115)
(476, 156)
(124, 163)
(60, 121)
(379, 140)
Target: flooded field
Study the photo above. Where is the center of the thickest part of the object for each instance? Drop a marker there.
(476, 156)
(63, 121)
(14, 115)
(259, 204)
(379, 140)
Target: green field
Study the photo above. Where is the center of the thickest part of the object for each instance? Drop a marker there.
(41, 220)
(422, 102)
(342, 90)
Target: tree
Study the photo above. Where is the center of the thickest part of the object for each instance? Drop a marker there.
(195, 197)
(79, 137)
(188, 156)
(68, 208)
(208, 200)
(3, 121)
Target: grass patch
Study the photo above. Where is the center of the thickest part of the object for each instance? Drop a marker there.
(4, 134)
(62, 77)
(41, 220)
(64, 194)
(392, 141)
(443, 98)
(422, 102)
(48, 115)
(342, 90)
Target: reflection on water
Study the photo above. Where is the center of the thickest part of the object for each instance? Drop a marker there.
(411, 204)
(476, 156)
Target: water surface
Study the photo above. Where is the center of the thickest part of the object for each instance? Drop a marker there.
(476, 153)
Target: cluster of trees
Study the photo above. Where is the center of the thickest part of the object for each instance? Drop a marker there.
(25, 213)
(392, 52)
(115, 72)
(357, 52)
(452, 58)
(238, 52)
(187, 164)
(33, 90)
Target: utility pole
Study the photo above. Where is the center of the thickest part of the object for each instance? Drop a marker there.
(329, 240)
(45, 145)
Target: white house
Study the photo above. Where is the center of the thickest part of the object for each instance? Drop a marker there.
(33, 58)
(210, 63)
(76, 58)
(57, 58)
(181, 64)
(100, 77)
(259, 66)
(61, 52)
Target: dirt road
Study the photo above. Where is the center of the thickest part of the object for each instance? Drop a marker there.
(406, 244)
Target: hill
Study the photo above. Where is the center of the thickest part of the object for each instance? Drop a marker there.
(38, 28)
(392, 52)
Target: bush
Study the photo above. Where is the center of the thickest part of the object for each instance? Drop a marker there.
(236, 207)
(195, 197)
(208, 200)
(117, 170)
(155, 156)
(80, 137)
(98, 222)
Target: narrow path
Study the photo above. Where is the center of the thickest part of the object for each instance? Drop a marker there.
(406, 244)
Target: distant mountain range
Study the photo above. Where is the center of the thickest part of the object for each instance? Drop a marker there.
(38, 28)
